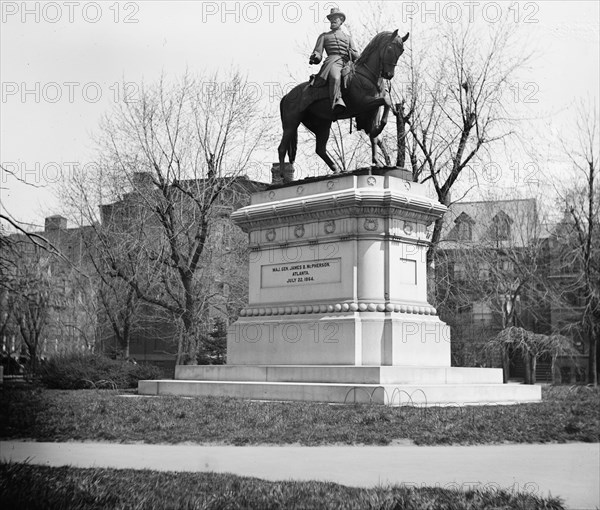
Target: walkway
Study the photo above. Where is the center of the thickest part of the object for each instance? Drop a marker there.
(570, 471)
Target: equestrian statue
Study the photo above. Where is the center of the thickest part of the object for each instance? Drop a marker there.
(355, 89)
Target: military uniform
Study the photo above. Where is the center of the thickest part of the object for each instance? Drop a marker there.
(340, 49)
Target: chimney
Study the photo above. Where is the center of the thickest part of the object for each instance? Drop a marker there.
(55, 223)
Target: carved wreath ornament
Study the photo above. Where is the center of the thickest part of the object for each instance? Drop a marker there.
(371, 224)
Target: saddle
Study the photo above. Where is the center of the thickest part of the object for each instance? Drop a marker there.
(348, 72)
(316, 81)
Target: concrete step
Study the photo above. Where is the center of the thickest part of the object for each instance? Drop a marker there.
(339, 374)
(398, 394)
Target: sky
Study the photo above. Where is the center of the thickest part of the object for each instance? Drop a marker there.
(63, 65)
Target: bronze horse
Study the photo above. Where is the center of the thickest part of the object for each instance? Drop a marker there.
(363, 95)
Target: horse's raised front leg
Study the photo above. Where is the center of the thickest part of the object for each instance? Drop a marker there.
(376, 129)
(380, 123)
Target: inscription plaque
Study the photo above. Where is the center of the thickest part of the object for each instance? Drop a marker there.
(309, 272)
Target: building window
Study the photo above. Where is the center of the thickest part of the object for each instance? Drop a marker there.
(501, 226)
(460, 272)
(463, 230)
(484, 272)
(482, 313)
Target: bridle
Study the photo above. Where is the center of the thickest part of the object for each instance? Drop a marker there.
(375, 76)
(384, 51)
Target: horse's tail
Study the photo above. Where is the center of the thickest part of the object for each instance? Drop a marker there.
(281, 107)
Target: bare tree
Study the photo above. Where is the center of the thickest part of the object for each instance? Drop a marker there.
(578, 236)
(8, 223)
(454, 98)
(531, 347)
(118, 312)
(450, 96)
(494, 255)
(168, 162)
(30, 293)
(77, 321)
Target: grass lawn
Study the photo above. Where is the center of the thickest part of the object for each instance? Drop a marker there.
(566, 414)
(25, 486)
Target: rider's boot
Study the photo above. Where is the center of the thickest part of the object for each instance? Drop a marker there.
(339, 106)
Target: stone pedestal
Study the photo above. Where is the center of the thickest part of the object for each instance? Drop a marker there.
(338, 276)
(337, 307)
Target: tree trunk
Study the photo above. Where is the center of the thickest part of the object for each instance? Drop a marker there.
(190, 334)
(400, 135)
(126, 339)
(431, 283)
(593, 359)
(527, 367)
(33, 355)
(530, 362)
(180, 346)
(190, 356)
(505, 363)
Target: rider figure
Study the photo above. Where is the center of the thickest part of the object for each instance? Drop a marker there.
(340, 49)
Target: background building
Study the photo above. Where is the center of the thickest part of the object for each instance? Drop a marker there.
(498, 266)
(47, 291)
(132, 226)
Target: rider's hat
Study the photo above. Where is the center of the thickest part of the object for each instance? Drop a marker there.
(336, 12)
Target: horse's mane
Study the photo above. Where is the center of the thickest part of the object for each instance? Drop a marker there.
(371, 47)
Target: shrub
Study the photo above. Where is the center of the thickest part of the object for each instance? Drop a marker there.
(77, 371)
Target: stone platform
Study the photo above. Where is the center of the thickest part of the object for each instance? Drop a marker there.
(390, 385)
(337, 307)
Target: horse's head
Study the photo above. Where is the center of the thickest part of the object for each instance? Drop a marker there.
(390, 53)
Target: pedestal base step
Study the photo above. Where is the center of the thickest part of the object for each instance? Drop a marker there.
(398, 394)
(342, 374)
